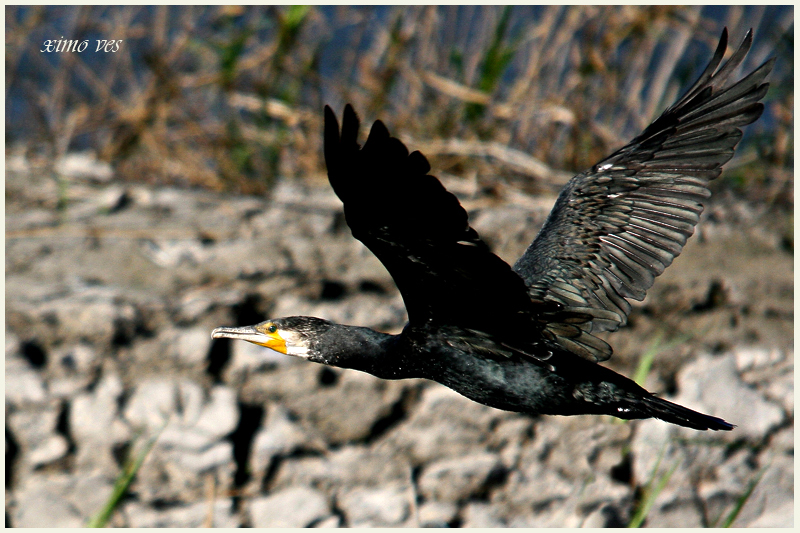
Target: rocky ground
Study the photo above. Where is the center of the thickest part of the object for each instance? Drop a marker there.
(112, 291)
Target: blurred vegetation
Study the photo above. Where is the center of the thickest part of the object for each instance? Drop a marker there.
(230, 98)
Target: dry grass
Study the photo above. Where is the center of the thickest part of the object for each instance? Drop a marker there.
(230, 98)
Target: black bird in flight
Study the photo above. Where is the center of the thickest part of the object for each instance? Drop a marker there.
(521, 338)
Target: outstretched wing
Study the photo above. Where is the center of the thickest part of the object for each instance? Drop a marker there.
(419, 231)
(617, 226)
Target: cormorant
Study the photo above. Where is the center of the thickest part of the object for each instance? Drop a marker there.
(521, 339)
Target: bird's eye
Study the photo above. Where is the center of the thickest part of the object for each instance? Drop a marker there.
(272, 328)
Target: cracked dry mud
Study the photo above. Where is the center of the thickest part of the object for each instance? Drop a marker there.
(109, 305)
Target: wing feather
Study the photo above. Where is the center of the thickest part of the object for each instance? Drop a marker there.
(446, 274)
(617, 226)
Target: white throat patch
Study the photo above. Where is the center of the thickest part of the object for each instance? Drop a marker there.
(295, 344)
(297, 351)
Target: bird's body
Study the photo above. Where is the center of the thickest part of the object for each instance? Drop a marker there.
(521, 339)
(467, 362)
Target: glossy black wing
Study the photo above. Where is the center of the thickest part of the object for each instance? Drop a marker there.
(617, 226)
(445, 272)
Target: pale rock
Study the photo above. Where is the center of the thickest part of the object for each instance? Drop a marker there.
(293, 507)
(457, 479)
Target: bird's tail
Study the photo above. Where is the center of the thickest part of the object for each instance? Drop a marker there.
(662, 409)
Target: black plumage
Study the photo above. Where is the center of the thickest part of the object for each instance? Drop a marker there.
(521, 338)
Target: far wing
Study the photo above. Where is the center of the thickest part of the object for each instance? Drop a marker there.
(616, 227)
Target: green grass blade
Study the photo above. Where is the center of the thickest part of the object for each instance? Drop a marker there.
(498, 56)
(656, 347)
(646, 360)
(731, 518)
(295, 16)
(651, 492)
(129, 470)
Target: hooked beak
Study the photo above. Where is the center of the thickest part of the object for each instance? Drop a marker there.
(253, 334)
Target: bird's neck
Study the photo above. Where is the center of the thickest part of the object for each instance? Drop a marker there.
(376, 353)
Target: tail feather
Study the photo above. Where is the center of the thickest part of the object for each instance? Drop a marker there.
(677, 414)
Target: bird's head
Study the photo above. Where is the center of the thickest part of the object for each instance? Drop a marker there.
(290, 336)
